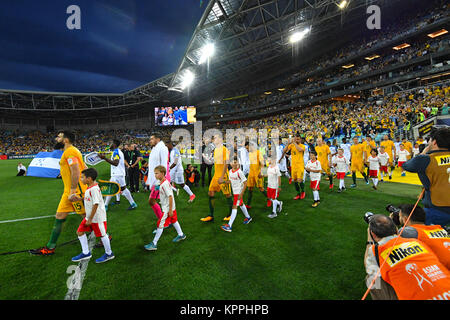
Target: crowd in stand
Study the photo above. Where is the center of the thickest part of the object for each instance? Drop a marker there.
(333, 119)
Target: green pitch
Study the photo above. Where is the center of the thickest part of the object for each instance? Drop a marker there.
(305, 253)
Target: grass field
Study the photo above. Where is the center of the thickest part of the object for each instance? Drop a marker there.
(305, 253)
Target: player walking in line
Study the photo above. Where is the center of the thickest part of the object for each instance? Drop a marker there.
(297, 165)
(221, 160)
(71, 165)
(324, 157)
(282, 160)
(244, 159)
(341, 163)
(169, 213)
(403, 155)
(315, 172)
(117, 163)
(255, 178)
(274, 187)
(389, 147)
(177, 171)
(373, 163)
(384, 162)
(95, 219)
(357, 161)
(238, 183)
(159, 156)
(346, 146)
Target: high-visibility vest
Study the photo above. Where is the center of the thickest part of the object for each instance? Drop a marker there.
(413, 270)
(437, 239)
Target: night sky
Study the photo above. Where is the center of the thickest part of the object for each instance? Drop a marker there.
(121, 44)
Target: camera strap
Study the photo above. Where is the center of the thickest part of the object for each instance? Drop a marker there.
(376, 253)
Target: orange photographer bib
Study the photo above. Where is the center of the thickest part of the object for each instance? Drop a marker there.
(413, 270)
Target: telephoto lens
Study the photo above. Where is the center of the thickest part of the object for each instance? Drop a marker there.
(368, 216)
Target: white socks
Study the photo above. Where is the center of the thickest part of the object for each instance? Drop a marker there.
(341, 183)
(316, 195)
(108, 200)
(233, 216)
(188, 190)
(106, 244)
(127, 194)
(158, 234)
(275, 203)
(84, 244)
(118, 197)
(244, 210)
(177, 227)
(375, 181)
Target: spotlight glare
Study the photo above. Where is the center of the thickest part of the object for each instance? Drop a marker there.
(343, 4)
(187, 79)
(206, 52)
(299, 35)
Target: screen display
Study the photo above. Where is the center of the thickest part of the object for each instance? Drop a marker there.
(175, 116)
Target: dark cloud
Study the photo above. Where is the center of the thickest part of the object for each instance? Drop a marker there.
(121, 44)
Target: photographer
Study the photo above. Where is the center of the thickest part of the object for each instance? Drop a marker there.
(434, 236)
(433, 169)
(407, 265)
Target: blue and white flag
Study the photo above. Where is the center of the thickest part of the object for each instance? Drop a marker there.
(45, 164)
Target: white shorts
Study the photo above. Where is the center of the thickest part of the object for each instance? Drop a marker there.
(120, 180)
(177, 176)
(282, 165)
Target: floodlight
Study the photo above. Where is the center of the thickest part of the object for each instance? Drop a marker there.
(207, 52)
(299, 35)
(187, 79)
(343, 4)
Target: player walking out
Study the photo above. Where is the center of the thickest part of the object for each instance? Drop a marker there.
(238, 183)
(341, 163)
(117, 163)
(177, 171)
(159, 156)
(169, 213)
(315, 171)
(273, 187)
(71, 165)
(255, 178)
(357, 161)
(95, 219)
(373, 162)
(384, 162)
(297, 165)
(221, 159)
(324, 156)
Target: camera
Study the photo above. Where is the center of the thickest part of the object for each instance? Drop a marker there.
(395, 213)
(368, 216)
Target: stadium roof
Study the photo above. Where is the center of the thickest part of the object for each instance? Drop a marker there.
(251, 39)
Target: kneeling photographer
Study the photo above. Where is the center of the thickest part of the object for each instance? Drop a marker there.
(434, 236)
(405, 265)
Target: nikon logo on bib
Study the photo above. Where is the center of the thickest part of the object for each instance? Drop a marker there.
(436, 233)
(443, 160)
(402, 252)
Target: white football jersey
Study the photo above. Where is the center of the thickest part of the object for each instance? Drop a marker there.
(402, 155)
(374, 163)
(175, 156)
(314, 176)
(118, 170)
(237, 179)
(272, 177)
(384, 158)
(92, 196)
(342, 163)
(165, 191)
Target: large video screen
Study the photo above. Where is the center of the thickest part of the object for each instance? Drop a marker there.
(175, 116)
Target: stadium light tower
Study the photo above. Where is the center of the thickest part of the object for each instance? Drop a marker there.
(187, 79)
(299, 35)
(207, 52)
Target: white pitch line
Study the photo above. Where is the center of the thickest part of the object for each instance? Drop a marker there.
(74, 291)
(27, 219)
